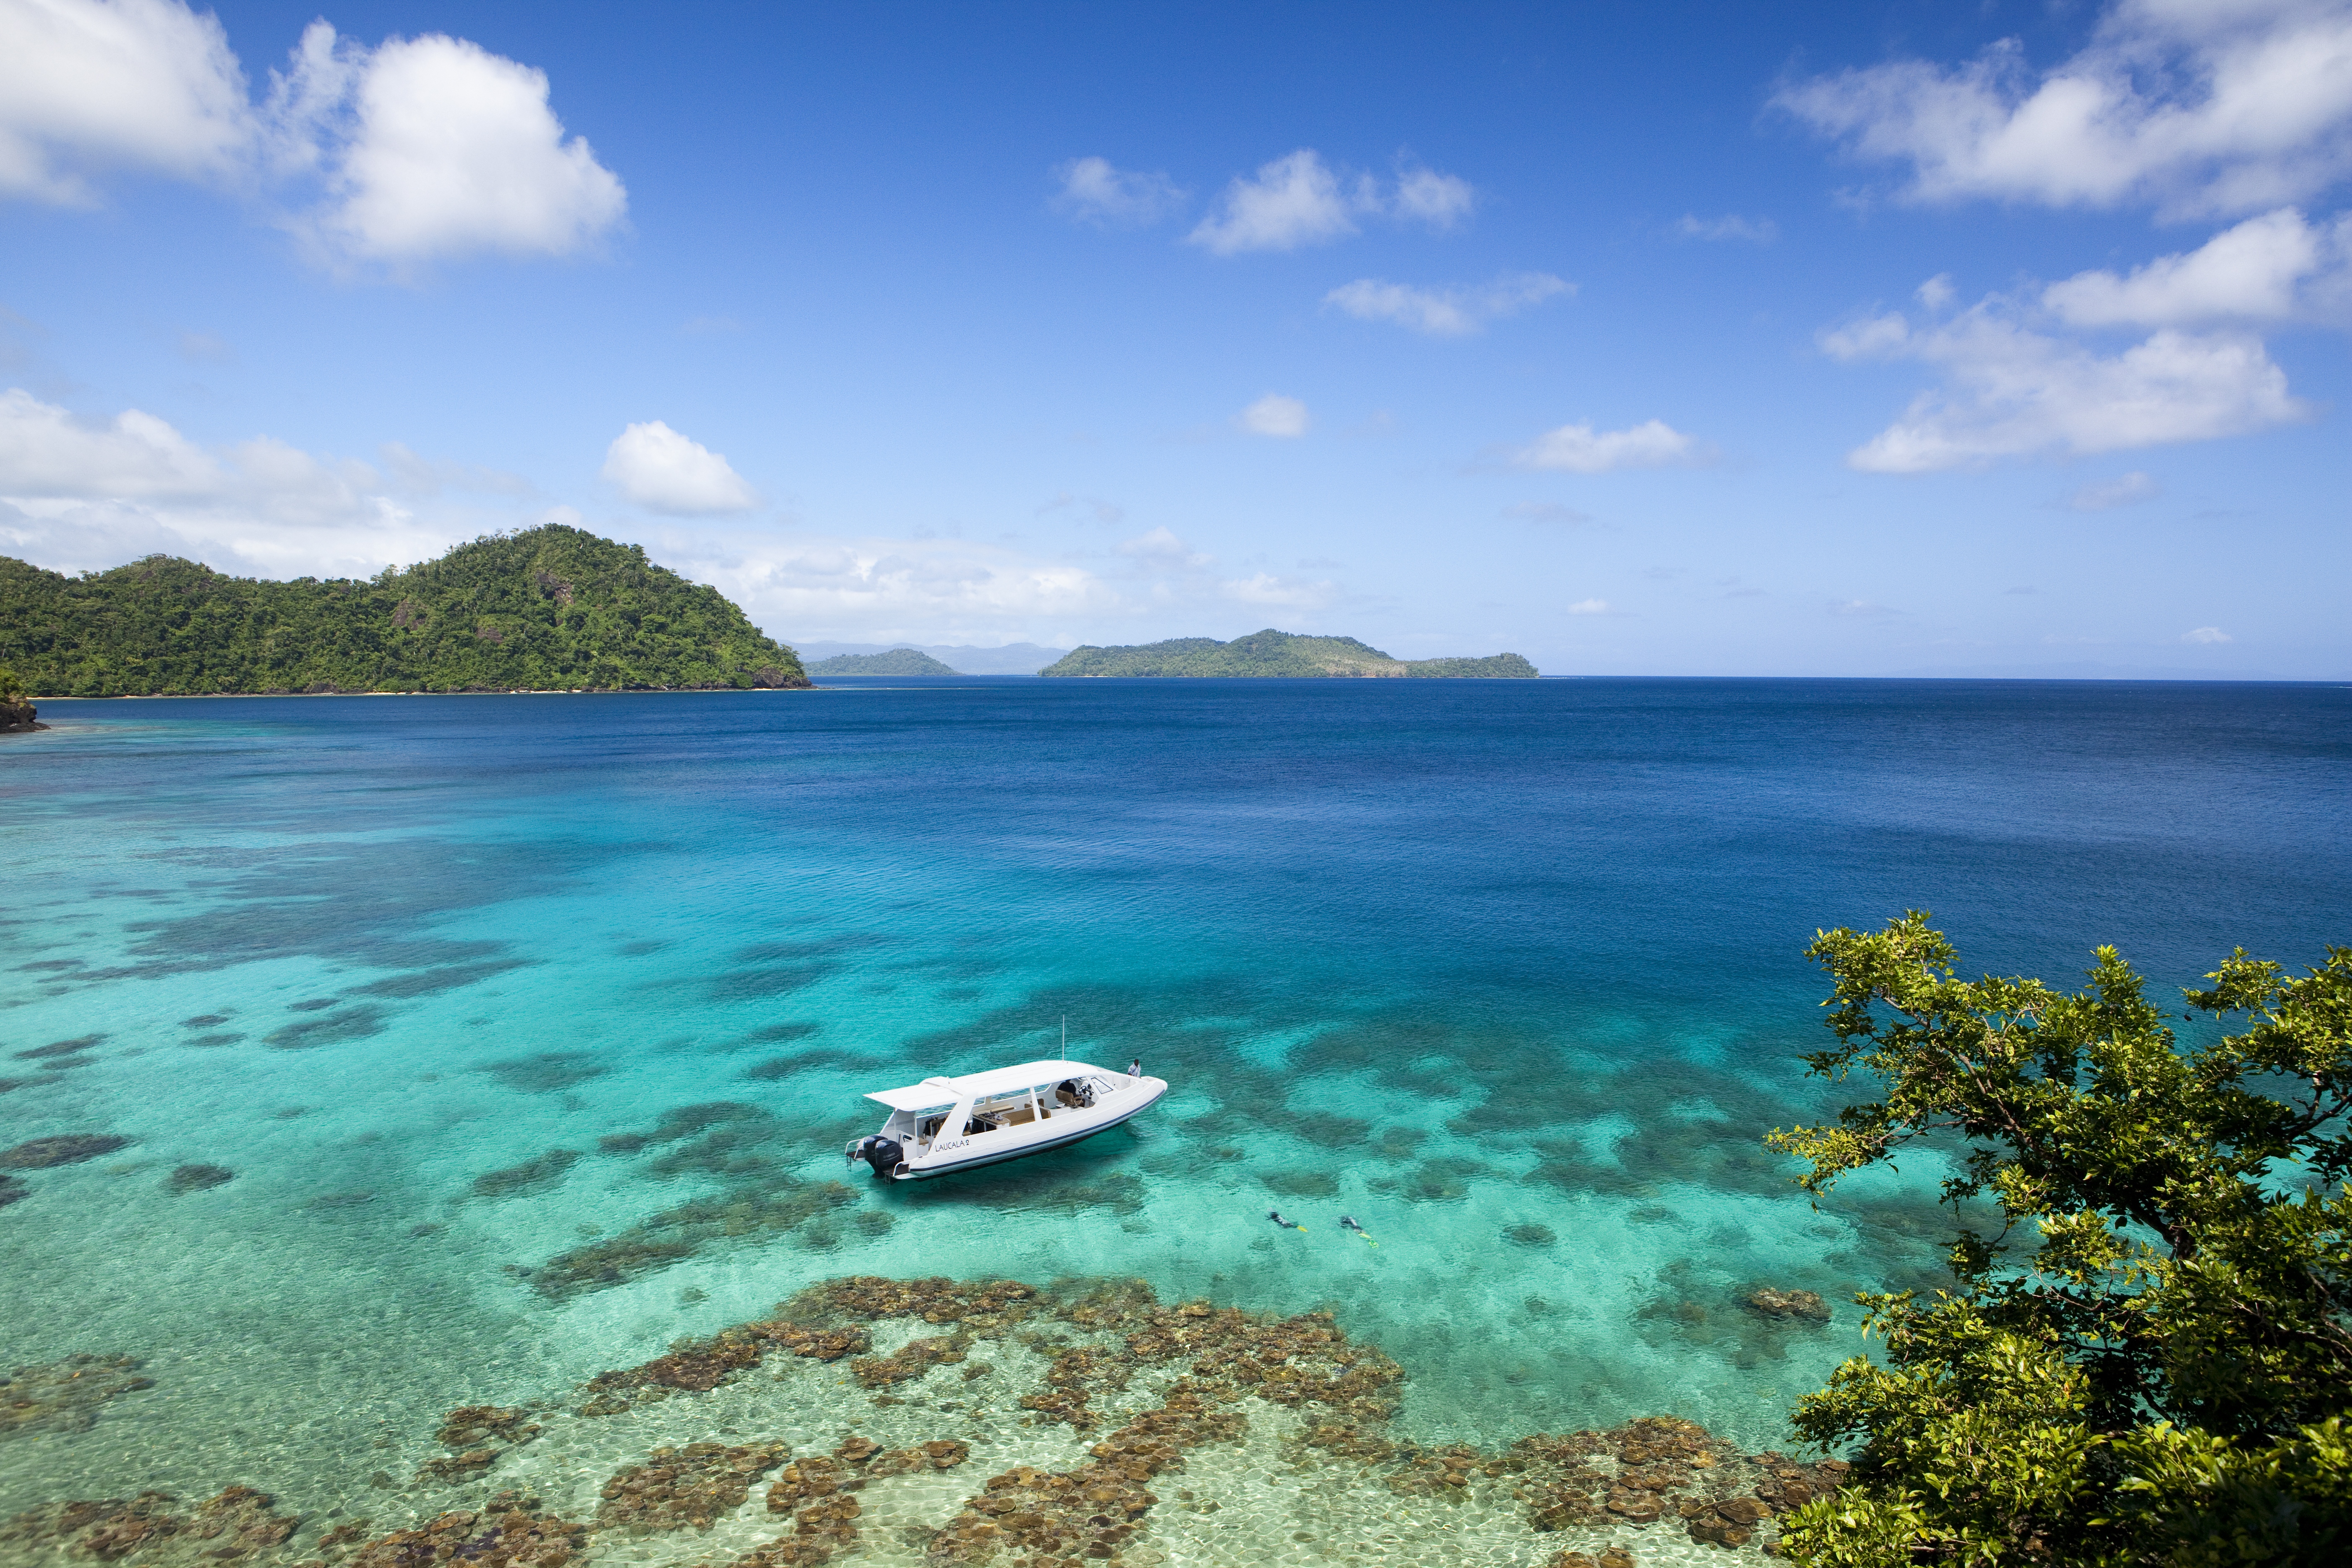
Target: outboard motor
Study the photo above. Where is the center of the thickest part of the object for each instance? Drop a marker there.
(882, 1153)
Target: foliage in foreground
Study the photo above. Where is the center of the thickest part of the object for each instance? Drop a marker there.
(549, 608)
(2151, 1360)
(1275, 653)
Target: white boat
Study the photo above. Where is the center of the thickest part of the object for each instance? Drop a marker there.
(944, 1124)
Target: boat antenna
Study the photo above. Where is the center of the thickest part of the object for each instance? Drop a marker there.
(1066, 1036)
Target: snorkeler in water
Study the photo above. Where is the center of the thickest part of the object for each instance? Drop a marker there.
(1348, 1222)
(1275, 1215)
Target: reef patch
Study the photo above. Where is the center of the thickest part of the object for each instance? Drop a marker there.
(221, 1529)
(66, 1149)
(64, 1395)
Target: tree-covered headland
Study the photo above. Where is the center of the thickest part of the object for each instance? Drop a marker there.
(548, 608)
(2146, 1357)
(1273, 653)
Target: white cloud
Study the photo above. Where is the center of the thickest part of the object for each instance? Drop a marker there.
(1589, 607)
(2198, 108)
(2129, 490)
(1293, 200)
(80, 495)
(449, 150)
(1161, 549)
(1581, 449)
(1279, 592)
(2015, 391)
(1274, 414)
(1547, 511)
(664, 471)
(1936, 292)
(1297, 200)
(46, 452)
(2207, 635)
(1440, 201)
(1730, 225)
(2252, 272)
(422, 149)
(1098, 193)
(1445, 312)
(90, 85)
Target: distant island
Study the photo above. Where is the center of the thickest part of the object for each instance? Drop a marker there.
(960, 658)
(545, 609)
(1273, 653)
(896, 661)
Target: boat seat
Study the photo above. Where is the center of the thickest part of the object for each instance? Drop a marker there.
(1016, 1117)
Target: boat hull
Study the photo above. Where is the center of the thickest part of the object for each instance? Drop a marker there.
(977, 1157)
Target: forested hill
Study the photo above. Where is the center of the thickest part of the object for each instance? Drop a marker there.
(549, 608)
(1271, 652)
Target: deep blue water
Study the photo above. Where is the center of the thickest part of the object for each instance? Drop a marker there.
(1511, 972)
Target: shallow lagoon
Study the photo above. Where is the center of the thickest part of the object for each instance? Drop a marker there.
(530, 1029)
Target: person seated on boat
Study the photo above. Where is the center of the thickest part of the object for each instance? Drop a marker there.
(1072, 1094)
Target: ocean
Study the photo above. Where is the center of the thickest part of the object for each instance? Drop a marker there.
(512, 1038)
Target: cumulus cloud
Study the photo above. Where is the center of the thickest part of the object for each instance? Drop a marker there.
(421, 149)
(2207, 636)
(1445, 312)
(1094, 191)
(1160, 548)
(664, 471)
(1581, 449)
(2129, 490)
(2016, 392)
(2267, 268)
(1273, 414)
(1589, 607)
(82, 494)
(1297, 200)
(1730, 225)
(435, 148)
(2196, 108)
(87, 85)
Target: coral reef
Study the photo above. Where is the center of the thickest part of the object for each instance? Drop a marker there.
(485, 1539)
(478, 1436)
(73, 1047)
(12, 1190)
(1772, 1303)
(700, 1365)
(64, 1396)
(66, 1149)
(535, 1173)
(196, 1178)
(236, 1523)
(675, 1488)
(664, 1239)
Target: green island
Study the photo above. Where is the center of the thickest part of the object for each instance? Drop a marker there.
(1273, 653)
(896, 661)
(542, 609)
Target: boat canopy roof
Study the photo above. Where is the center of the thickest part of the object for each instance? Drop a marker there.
(934, 1091)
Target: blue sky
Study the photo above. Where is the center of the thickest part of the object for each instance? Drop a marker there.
(1860, 340)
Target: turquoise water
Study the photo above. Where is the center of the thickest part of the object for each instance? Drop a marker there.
(1511, 972)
